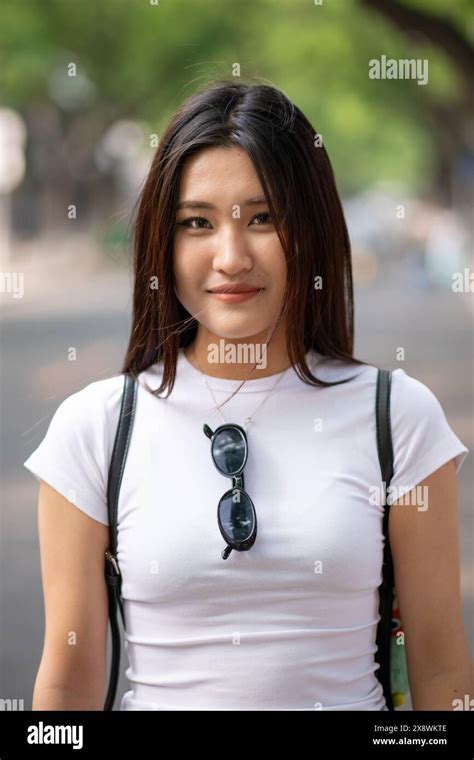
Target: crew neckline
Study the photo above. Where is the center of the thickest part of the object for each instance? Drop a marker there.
(253, 385)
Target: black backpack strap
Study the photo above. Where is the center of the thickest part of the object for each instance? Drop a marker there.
(386, 589)
(112, 571)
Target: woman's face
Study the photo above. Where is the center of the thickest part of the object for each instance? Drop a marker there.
(226, 236)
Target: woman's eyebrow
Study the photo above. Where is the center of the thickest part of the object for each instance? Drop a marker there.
(257, 201)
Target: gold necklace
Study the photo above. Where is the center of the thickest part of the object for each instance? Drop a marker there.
(248, 419)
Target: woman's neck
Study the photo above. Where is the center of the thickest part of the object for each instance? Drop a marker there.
(234, 359)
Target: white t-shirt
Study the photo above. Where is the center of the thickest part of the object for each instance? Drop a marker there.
(291, 623)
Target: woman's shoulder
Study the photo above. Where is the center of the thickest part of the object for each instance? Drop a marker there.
(74, 453)
(413, 395)
(422, 437)
(101, 397)
(332, 369)
(408, 394)
(412, 401)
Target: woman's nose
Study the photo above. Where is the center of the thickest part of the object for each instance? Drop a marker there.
(232, 252)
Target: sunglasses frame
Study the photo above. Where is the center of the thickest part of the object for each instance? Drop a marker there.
(238, 484)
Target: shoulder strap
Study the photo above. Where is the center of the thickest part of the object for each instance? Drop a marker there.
(386, 589)
(112, 571)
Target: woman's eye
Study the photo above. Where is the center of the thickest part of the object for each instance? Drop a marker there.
(267, 218)
(200, 223)
(189, 222)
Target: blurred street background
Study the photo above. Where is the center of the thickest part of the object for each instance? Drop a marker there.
(86, 88)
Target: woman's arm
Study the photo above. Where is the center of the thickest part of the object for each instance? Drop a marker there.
(425, 548)
(72, 671)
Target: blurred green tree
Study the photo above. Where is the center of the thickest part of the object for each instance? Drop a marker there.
(139, 59)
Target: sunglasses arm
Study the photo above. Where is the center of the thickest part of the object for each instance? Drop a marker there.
(207, 431)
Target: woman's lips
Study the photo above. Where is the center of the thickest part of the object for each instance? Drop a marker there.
(236, 297)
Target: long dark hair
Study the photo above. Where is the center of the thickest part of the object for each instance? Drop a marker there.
(298, 182)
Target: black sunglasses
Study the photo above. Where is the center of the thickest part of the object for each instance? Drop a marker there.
(236, 514)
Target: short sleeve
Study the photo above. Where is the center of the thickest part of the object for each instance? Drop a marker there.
(72, 457)
(422, 439)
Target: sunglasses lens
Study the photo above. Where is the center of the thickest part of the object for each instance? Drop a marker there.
(236, 516)
(229, 451)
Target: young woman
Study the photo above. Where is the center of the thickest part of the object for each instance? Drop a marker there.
(243, 314)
